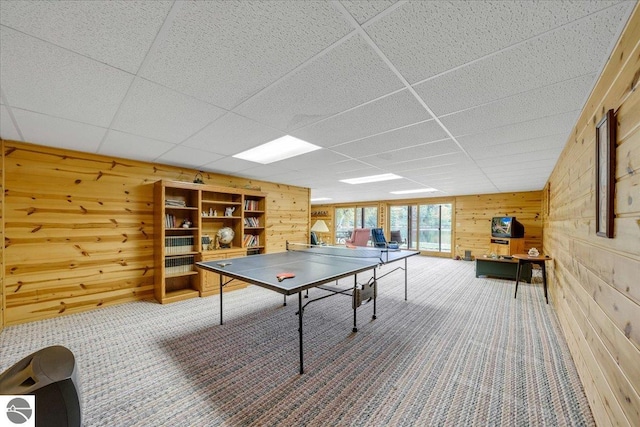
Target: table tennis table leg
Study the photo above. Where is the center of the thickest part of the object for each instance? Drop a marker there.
(405, 279)
(221, 285)
(300, 332)
(375, 293)
(355, 285)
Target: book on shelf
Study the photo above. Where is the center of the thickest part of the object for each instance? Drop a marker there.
(179, 264)
(251, 221)
(250, 240)
(175, 203)
(178, 245)
(251, 205)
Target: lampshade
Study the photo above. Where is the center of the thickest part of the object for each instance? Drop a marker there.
(320, 227)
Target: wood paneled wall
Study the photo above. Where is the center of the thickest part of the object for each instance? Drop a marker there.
(474, 213)
(79, 229)
(595, 281)
(472, 217)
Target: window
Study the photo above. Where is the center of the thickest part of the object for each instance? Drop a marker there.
(349, 218)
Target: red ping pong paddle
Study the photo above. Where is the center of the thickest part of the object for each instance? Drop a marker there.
(282, 276)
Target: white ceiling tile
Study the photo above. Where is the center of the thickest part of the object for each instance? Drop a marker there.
(456, 161)
(349, 75)
(552, 144)
(363, 10)
(232, 134)
(159, 113)
(189, 157)
(126, 145)
(224, 52)
(424, 151)
(118, 33)
(514, 157)
(41, 77)
(509, 81)
(391, 112)
(55, 132)
(423, 39)
(547, 101)
(315, 160)
(409, 136)
(7, 128)
(551, 125)
(570, 52)
(228, 165)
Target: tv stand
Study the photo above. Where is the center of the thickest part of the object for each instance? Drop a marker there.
(505, 246)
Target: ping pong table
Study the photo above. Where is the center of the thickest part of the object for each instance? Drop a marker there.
(302, 267)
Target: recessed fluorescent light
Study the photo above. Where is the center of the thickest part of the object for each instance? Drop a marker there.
(372, 178)
(417, 190)
(278, 149)
(320, 199)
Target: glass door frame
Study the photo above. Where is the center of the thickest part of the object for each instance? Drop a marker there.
(412, 229)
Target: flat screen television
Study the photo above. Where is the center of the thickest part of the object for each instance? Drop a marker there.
(506, 226)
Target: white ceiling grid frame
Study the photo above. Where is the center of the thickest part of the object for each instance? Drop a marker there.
(162, 33)
(101, 86)
(391, 66)
(390, 112)
(492, 83)
(58, 132)
(476, 29)
(117, 33)
(240, 52)
(348, 75)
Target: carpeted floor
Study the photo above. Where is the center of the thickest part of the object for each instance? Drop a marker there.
(461, 351)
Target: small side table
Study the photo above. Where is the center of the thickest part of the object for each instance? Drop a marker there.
(540, 260)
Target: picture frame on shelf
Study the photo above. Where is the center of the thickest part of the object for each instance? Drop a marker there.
(605, 174)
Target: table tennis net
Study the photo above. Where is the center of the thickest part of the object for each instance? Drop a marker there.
(340, 251)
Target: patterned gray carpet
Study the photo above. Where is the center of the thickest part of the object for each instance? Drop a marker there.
(460, 351)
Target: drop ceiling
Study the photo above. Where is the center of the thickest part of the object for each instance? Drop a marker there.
(464, 97)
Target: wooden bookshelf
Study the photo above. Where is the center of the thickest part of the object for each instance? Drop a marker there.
(189, 217)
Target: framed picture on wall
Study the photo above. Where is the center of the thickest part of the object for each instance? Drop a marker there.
(605, 174)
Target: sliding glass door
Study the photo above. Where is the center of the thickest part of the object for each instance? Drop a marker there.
(352, 217)
(424, 227)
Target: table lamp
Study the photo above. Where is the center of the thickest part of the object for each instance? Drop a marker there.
(320, 227)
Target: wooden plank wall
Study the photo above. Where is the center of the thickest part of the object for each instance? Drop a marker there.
(472, 217)
(474, 213)
(595, 282)
(79, 228)
(2, 302)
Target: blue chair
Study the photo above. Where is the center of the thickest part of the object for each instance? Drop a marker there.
(378, 239)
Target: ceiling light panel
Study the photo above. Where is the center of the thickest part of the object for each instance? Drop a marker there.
(415, 191)
(371, 178)
(276, 150)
